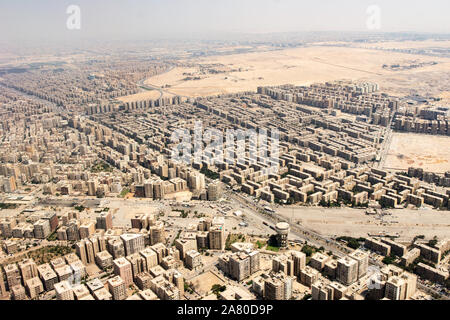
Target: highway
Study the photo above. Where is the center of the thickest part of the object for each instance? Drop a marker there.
(143, 85)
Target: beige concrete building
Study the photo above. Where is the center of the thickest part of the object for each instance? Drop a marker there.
(377, 246)
(102, 294)
(63, 291)
(186, 244)
(362, 257)
(401, 287)
(157, 233)
(18, 292)
(308, 276)
(318, 261)
(80, 291)
(13, 276)
(122, 268)
(34, 287)
(278, 286)
(143, 280)
(2, 285)
(150, 256)
(347, 270)
(193, 260)
(104, 259)
(148, 294)
(216, 237)
(64, 273)
(118, 288)
(48, 276)
(86, 229)
(104, 221)
(28, 269)
(133, 243)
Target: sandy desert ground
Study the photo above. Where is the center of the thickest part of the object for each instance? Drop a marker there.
(204, 282)
(408, 44)
(354, 222)
(306, 65)
(432, 153)
(144, 95)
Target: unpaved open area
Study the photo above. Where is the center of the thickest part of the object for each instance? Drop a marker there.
(407, 223)
(205, 281)
(430, 152)
(303, 66)
(144, 95)
(408, 44)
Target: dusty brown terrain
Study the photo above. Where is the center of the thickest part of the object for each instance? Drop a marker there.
(432, 153)
(409, 44)
(205, 281)
(144, 95)
(303, 66)
(407, 223)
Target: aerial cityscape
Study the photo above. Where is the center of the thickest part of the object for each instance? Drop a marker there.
(272, 165)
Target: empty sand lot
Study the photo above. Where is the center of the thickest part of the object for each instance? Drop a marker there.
(303, 66)
(205, 281)
(430, 152)
(441, 44)
(407, 223)
(144, 95)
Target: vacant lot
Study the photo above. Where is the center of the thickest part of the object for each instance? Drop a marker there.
(407, 223)
(303, 66)
(144, 95)
(432, 153)
(204, 282)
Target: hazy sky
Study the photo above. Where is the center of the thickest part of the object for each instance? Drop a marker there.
(22, 20)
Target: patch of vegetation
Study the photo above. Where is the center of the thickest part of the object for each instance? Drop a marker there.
(329, 204)
(183, 214)
(389, 259)
(272, 248)
(8, 206)
(177, 237)
(284, 175)
(309, 250)
(101, 166)
(353, 243)
(417, 237)
(124, 192)
(217, 289)
(445, 254)
(79, 208)
(272, 244)
(209, 174)
(188, 287)
(52, 237)
(232, 238)
(260, 244)
(45, 254)
(432, 243)
(198, 214)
